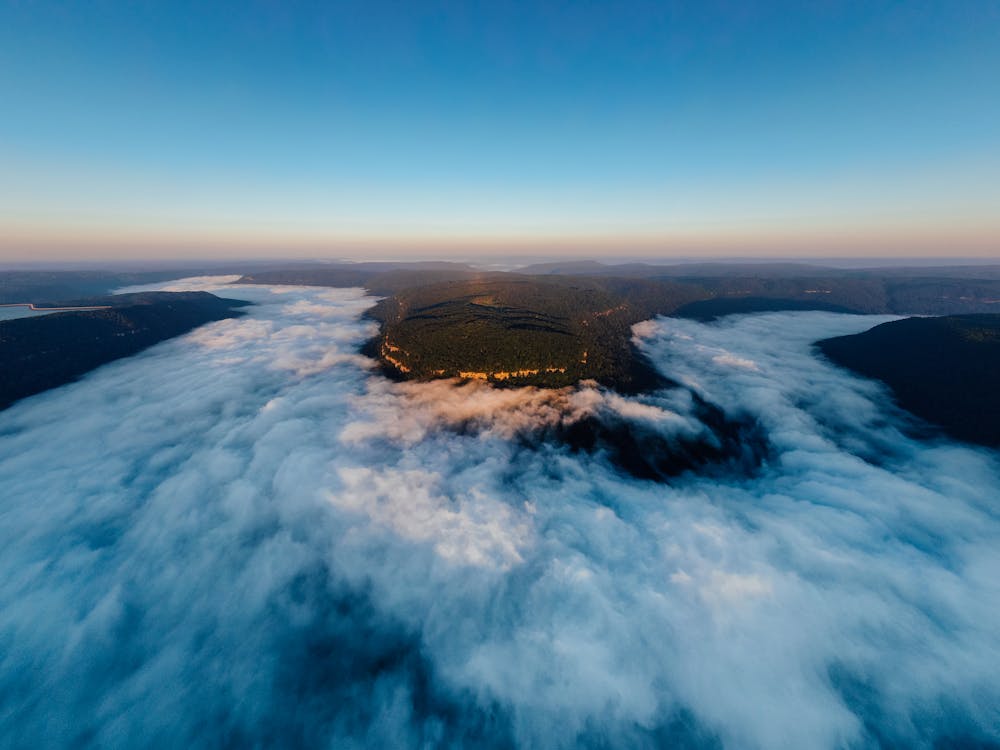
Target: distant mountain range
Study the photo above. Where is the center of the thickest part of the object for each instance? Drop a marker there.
(769, 269)
(557, 323)
(945, 290)
(49, 351)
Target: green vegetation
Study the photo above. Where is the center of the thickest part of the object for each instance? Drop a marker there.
(517, 330)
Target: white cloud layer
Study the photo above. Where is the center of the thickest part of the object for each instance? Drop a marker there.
(246, 537)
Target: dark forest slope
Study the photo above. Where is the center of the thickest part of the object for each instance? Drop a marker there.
(945, 370)
(51, 350)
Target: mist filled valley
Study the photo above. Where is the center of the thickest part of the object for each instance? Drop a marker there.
(248, 536)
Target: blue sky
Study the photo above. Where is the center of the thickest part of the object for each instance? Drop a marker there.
(337, 128)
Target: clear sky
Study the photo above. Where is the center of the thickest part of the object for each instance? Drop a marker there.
(709, 127)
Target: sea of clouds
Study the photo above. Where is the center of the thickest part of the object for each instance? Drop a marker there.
(247, 537)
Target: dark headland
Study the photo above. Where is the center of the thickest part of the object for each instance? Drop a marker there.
(945, 370)
(51, 350)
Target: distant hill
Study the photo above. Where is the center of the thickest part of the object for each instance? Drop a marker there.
(945, 370)
(47, 286)
(51, 350)
(38, 286)
(377, 277)
(707, 310)
(916, 291)
(757, 269)
(132, 299)
(860, 293)
(676, 270)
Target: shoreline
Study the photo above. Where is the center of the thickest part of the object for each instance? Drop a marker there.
(31, 306)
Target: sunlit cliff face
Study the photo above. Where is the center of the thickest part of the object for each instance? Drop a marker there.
(247, 536)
